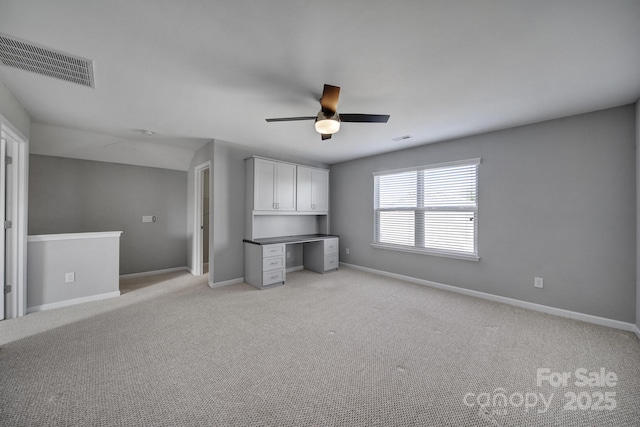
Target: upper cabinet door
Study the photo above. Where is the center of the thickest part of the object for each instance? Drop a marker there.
(320, 190)
(264, 196)
(305, 199)
(313, 190)
(285, 187)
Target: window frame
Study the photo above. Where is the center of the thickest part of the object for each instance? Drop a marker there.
(425, 250)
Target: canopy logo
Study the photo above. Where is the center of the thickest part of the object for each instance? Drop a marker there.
(595, 397)
(499, 401)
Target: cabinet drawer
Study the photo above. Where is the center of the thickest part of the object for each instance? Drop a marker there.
(272, 263)
(272, 250)
(330, 246)
(330, 262)
(271, 277)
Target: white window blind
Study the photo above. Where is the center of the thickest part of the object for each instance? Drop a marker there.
(431, 209)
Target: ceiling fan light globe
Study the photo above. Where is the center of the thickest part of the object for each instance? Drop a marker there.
(327, 125)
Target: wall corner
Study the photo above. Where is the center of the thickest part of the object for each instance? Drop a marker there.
(638, 217)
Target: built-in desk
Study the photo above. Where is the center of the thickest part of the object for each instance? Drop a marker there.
(264, 259)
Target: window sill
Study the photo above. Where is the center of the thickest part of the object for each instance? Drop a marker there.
(467, 257)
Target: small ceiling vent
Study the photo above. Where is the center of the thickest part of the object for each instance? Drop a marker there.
(48, 62)
(401, 138)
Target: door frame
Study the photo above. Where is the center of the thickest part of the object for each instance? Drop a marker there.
(18, 146)
(4, 268)
(196, 261)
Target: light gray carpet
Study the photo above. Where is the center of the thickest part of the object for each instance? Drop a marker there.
(131, 284)
(341, 349)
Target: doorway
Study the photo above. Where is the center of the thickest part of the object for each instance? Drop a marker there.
(202, 221)
(4, 271)
(205, 221)
(13, 218)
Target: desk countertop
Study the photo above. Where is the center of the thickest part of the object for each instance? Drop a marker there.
(290, 239)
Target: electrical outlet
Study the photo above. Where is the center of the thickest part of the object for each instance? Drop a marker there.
(288, 254)
(69, 277)
(538, 282)
(346, 251)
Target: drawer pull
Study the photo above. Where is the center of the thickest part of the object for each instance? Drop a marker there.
(274, 263)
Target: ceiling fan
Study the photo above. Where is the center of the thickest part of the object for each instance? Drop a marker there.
(328, 120)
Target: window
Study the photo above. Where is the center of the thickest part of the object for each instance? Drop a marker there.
(430, 209)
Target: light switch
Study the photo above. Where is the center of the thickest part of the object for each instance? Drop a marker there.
(70, 277)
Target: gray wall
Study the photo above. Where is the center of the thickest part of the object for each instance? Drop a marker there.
(556, 200)
(228, 205)
(13, 111)
(228, 211)
(72, 196)
(638, 216)
(94, 262)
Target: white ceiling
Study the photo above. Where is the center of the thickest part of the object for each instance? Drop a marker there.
(193, 71)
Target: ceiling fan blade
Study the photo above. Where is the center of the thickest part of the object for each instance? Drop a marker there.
(326, 136)
(329, 100)
(291, 119)
(364, 118)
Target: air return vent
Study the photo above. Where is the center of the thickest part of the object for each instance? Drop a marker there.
(38, 59)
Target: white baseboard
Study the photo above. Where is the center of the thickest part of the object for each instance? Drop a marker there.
(152, 273)
(297, 268)
(74, 301)
(603, 321)
(226, 282)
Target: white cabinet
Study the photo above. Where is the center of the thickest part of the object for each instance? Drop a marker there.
(274, 186)
(312, 190)
(331, 247)
(264, 265)
(321, 256)
(264, 189)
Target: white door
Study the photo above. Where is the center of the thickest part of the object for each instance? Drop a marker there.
(313, 190)
(304, 200)
(264, 185)
(285, 186)
(3, 193)
(320, 190)
(13, 240)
